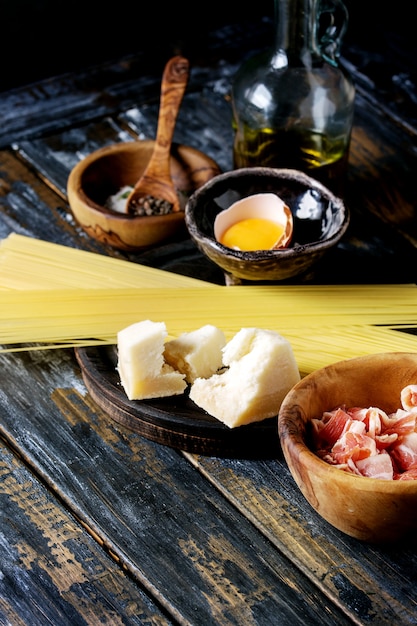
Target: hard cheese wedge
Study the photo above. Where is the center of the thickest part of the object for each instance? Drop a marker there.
(142, 369)
(197, 354)
(261, 370)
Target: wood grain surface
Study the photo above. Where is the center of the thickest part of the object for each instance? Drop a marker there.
(175, 421)
(165, 524)
(53, 570)
(101, 525)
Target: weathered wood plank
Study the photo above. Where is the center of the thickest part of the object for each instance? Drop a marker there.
(377, 583)
(29, 207)
(51, 570)
(204, 120)
(382, 68)
(382, 165)
(62, 102)
(110, 477)
(169, 527)
(371, 251)
(53, 157)
(57, 103)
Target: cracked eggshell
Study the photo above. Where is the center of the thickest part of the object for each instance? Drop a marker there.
(267, 206)
(315, 232)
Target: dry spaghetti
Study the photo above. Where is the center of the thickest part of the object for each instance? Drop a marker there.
(53, 296)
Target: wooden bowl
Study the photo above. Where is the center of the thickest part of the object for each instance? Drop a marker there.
(369, 509)
(320, 220)
(104, 172)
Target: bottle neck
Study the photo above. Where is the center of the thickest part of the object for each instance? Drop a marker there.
(295, 31)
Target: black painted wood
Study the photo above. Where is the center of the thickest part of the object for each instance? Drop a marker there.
(184, 538)
(168, 527)
(52, 570)
(380, 193)
(175, 421)
(379, 48)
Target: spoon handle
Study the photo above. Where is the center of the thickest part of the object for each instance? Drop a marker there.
(173, 86)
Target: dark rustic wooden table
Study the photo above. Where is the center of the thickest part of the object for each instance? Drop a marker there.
(99, 525)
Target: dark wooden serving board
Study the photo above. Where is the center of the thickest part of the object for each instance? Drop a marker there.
(175, 421)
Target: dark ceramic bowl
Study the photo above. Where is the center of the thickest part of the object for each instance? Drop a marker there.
(320, 221)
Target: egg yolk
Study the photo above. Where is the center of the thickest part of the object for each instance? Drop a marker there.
(252, 234)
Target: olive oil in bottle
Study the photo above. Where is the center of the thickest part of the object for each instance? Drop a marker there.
(293, 105)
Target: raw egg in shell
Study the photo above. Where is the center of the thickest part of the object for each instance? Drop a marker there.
(259, 222)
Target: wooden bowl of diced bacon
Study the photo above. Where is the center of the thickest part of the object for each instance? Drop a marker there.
(349, 436)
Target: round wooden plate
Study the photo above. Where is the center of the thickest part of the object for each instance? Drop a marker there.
(176, 421)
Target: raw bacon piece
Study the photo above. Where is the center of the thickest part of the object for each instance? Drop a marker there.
(408, 475)
(353, 446)
(373, 420)
(357, 413)
(368, 441)
(403, 423)
(404, 452)
(376, 466)
(331, 428)
(385, 441)
(409, 398)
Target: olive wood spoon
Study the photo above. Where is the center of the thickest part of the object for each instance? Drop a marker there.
(156, 180)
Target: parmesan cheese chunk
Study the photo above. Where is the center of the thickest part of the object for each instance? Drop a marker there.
(143, 372)
(261, 370)
(197, 354)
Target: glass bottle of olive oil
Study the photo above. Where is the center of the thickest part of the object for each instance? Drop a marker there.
(293, 105)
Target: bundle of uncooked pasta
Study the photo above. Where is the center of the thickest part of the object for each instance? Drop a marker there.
(53, 296)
